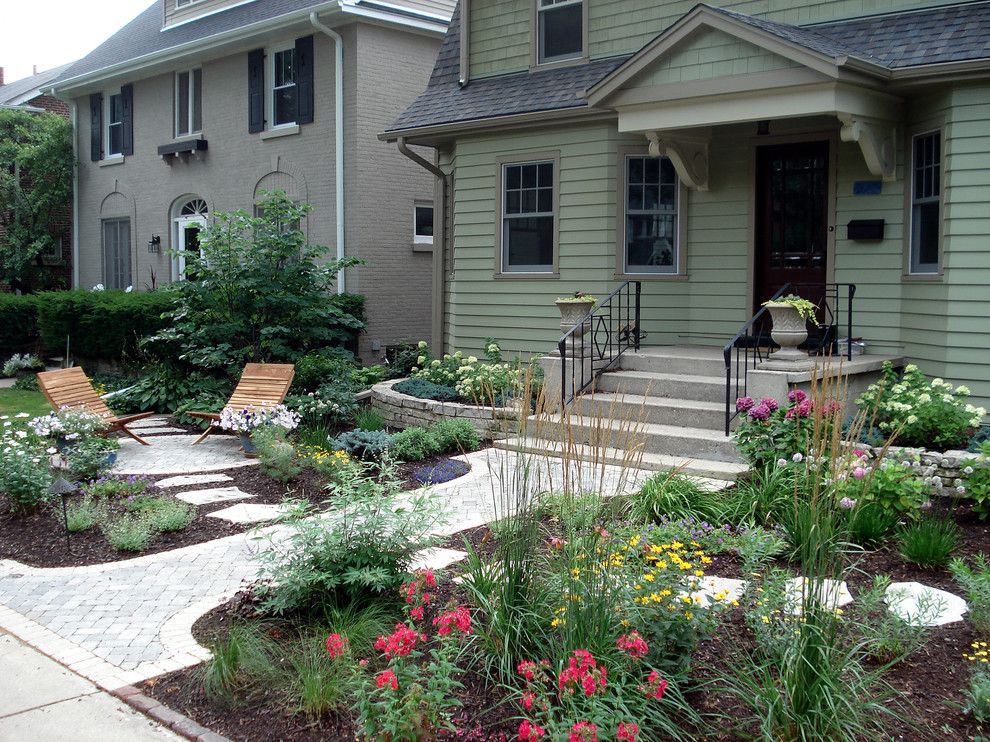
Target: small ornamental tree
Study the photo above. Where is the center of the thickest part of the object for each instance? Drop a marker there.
(256, 292)
(35, 189)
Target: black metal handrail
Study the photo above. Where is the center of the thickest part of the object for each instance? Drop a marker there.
(613, 325)
(752, 344)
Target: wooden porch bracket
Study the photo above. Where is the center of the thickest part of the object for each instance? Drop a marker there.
(875, 139)
(687, 152)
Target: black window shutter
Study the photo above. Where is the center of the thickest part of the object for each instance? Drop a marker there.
(256, 91)
(96, 127)
(304, 80)
(127, 118)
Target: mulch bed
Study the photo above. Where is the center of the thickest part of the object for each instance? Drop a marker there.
(929, 684)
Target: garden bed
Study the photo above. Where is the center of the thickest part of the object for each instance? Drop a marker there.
(402, 411)
(930, 682)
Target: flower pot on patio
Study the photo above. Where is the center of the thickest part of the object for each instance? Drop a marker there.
(789, 329)
(572, 311)
(250, 451)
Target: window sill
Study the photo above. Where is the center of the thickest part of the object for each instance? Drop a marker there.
(554, 64)
(112, 160)
(282, 131)
(651, 276)
(509, 275)
(422, 247)
(922, 277)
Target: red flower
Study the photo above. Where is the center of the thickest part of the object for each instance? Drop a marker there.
(627, 732)
(582, 671)
(527, 700)
(633, 644)
(387, 677)
(336, 645)
(426, 575)
(527, 668)
(458, 619)
(583, 731)
(417, 613)
(400, 643)
(655, 686)
(530, 731)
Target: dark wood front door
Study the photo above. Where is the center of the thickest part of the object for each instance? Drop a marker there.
(791, 220)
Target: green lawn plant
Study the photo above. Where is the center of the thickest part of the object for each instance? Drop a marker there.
(83, 513)
(128, 532)
(672, 495)
(89, 458)
(413, 444)
(929, 542)
(278, 456)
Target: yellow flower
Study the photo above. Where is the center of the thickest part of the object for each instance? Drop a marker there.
(688, 615)
(649, 577)
(575, 572)
(699, 573)
(765, 619)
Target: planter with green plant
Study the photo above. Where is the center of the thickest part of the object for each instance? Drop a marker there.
(573, 309)
(790, 316)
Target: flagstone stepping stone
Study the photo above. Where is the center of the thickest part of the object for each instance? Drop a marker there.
(186, 479)
(708, 587)
(436, 558)
(920, 605)
(829, 593)
(210, 496)
(161, 429)
(246, 513)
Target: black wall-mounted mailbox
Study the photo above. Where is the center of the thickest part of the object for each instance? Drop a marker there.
(865, 229)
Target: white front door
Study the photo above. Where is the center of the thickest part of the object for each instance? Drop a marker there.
(187, 230)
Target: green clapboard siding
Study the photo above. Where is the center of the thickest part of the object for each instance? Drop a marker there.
(501, 30)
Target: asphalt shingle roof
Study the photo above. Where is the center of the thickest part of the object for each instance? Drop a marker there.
(13, 93)
(909, 38)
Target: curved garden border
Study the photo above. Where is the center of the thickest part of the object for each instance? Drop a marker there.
(403, 411)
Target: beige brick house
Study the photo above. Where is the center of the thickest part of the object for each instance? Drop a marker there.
(199, 106)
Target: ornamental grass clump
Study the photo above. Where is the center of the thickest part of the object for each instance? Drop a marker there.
(919, 412)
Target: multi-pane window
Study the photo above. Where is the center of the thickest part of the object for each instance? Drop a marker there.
(423, 224)
(560, 29)
(116, 253)
(284, 87)
(115, 124)
(926, 169)
(188, 102)
(528, 217)
(651, 203)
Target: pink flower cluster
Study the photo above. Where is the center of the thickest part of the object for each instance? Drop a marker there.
(387, 677)
(627, 732)
(582, 672)
(528, 669)
(633, 644)
(415, 593)
(655, 686)
(336, 646)
(757, 410)
(400, 643)
(458, 619)
(583, 731)
(530, 731)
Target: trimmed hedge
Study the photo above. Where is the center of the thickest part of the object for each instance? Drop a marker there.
(102, 325)
(18, 324)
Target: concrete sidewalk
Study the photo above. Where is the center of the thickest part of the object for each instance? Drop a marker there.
(40, 701)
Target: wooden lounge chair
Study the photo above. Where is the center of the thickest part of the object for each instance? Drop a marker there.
(71, 388)
(261, 385)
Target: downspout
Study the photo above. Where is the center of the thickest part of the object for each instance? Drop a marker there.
(338, 132)
(439, 246)
(75, 195)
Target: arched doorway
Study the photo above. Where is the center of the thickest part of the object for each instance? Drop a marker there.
(188, 218)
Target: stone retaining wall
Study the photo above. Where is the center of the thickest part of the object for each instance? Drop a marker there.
(948, 465)
(402, 411)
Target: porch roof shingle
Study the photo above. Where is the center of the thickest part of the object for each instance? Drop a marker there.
(902, 39)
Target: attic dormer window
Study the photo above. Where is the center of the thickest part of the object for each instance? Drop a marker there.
(560, 30)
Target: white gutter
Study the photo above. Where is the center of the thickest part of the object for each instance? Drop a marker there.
(338, 133)
(75, 194)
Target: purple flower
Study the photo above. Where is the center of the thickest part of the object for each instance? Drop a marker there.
(847, 503)
(859, 472)
(760, 412)
(744, 403)
(770, 402)
(796, 396)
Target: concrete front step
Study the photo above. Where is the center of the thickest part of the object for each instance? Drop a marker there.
(675, 386)
(669, 440)
(692, 360)
(713, 474)
(689, 413)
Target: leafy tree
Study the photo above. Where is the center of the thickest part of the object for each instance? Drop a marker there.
(258, 292)
(35, 187)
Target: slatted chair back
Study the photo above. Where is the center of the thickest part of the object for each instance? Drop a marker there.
(262, 385)
(70, 387)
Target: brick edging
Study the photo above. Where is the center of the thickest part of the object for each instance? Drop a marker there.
(178, 723)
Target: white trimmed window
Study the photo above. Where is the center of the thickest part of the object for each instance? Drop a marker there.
(188, 102)
(926, 201)
(283, 99)
(528, 217)
(651, 216)
(423, 224)
(560, 30)
(114, 144)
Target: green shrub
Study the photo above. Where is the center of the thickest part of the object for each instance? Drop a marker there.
(975, 580)
(167, 388)
(668, 495)
(367, 376)
(104, 325)
(90, 457)
(483, 382)
(869, 524)
(169, 516)
(893, 486)
(981, 436)
(423, 389)
(82, 514)
(204, 401)
(28, 383)
(315, 369)
(19, 320)
(369, 419)
(456, 435)
(929, 543)
(278, 457)
(127, 532)
(25, 469)
(362, 444)
(413, 444)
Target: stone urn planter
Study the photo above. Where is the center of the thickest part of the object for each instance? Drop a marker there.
(789, 330)
(573, 311)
